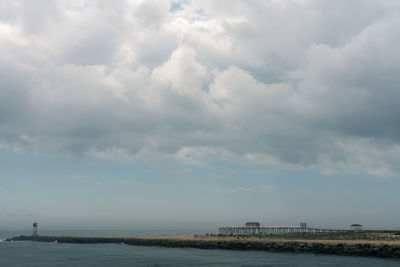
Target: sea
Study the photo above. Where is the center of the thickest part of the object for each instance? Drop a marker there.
(58, 254)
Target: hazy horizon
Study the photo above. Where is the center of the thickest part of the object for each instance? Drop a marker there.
(170, 114)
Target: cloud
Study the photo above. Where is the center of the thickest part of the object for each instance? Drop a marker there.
(281, 83)
(83, 177)
(181, 71)
(87, 178)
(183, 172)
(242, 189)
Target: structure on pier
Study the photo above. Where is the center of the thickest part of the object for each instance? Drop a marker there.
(35, 229)
(356, 227)
(253, 224)
(255, 228)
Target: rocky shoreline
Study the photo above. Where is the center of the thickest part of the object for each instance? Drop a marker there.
(337, 248)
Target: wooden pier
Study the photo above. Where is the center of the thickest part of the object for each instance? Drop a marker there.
(251, 230)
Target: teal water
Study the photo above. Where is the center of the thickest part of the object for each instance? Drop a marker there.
(55, 254)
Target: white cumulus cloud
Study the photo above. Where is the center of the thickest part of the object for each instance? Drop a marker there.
(294, 84)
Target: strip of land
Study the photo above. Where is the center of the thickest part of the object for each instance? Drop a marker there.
(385, 247)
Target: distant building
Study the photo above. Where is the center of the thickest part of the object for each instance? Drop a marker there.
(303, 225)
(253, 224)
(356, 226)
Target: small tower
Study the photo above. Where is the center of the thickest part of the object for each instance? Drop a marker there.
(35, 229)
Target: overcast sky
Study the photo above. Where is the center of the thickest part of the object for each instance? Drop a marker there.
(157, 113)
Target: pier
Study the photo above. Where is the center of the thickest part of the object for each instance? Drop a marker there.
(253, 228)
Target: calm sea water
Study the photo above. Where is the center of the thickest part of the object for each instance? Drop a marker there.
(56, 254)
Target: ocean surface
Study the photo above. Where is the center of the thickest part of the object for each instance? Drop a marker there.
(56, 254)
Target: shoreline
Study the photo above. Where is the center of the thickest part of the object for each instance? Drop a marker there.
(365, 248)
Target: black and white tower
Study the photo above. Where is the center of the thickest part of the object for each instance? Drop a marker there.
(35, 229)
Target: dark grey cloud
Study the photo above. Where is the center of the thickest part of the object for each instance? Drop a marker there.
(295, 84)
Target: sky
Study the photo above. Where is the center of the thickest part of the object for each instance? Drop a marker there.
(140, 114)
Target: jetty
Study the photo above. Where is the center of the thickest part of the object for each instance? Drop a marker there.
(279, 243)
(252, 236)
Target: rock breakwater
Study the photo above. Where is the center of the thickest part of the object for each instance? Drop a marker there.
(354, 248)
